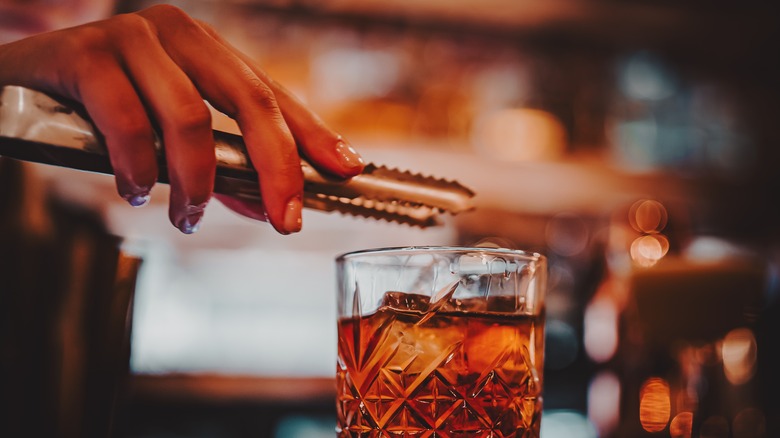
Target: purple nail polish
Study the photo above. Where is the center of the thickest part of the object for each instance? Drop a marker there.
(138, 196)
(138, 200)
(191, 221)
(189, 225)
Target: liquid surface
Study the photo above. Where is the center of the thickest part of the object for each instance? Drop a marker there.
(455, 370)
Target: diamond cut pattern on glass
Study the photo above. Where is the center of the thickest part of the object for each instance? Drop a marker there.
(451, 375)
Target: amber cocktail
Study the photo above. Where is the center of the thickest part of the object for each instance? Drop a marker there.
(458, 354)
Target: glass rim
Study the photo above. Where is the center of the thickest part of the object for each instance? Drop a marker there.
(402, 250)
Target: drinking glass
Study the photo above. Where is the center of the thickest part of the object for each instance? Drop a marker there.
(440, 342)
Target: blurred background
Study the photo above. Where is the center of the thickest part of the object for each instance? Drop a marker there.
(632, 142)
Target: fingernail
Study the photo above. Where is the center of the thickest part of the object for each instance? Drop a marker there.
(292, 215)
(138, 198)
(190, 223)
(348, 156)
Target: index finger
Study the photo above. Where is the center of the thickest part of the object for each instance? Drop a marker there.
(235, 89)
(326, 149)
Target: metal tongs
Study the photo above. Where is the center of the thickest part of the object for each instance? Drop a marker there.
(37, 127)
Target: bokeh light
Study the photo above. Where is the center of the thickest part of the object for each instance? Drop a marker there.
(648, 216)
(647, 250)
(714, 249)
(681, 425)
(604, 402)
(519, 135)
(566, 424)
(739, 353)
(644, 77)
(601, 330)
(351, 73)
(654, 404)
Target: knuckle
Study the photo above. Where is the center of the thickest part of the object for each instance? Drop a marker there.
(127, 28)
(134, 22)
(194, 117)
(208, 28)
(167, 10)
(90, 40)
(112, 37)
(132, 127)
(111, 34)
(170, 15)
(260, 95)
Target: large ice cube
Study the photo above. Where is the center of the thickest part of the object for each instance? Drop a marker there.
(405, 302)
(415, 303)
(465, 305)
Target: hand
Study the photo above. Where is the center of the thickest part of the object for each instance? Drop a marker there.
(135, 73)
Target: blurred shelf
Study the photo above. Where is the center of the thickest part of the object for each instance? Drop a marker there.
(717, 31)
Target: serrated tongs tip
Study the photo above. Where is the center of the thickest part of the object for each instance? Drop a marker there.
(389, 193)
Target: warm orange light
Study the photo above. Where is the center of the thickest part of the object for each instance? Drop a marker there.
(663, 241)
(647, 216)
(739, 354)
(647, 250)
(655, 405)
(520, 134)
(682, 425)
(687, 399)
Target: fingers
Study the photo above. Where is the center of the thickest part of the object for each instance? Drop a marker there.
(324, 148)
(182, 117)
(47, 62)
(321, 145)
(237, 91)
(137, 73)
(119, 114)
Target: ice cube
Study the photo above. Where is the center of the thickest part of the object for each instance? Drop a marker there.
(406, 302)
(475, 304)
(493, 304)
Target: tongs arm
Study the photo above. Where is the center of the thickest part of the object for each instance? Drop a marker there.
(37, 127)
